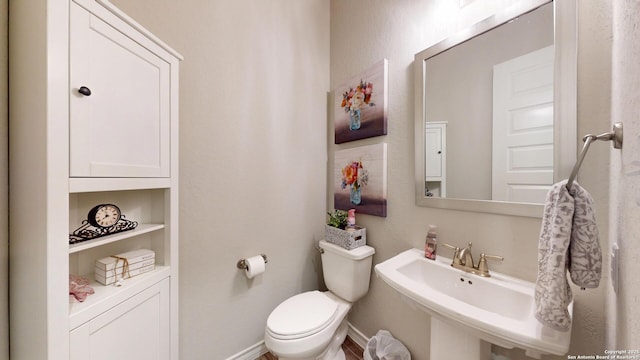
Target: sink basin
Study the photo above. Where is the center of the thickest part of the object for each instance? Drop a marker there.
(498, 309)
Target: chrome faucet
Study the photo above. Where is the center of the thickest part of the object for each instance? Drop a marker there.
(463, 260)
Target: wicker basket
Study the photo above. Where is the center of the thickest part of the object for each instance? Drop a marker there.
(346, 239)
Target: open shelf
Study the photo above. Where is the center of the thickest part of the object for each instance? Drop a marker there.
(141, 229)
(108, 296)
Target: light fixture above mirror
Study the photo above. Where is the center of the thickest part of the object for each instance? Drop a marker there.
(464, 126)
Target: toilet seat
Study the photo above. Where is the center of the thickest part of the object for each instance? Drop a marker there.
(302, 315)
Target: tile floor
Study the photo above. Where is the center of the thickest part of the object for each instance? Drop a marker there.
(352, 351)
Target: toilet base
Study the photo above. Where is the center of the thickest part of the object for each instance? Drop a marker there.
(334, 350)
(339, 356)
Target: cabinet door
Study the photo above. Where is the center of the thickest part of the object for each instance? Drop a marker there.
(122, 128)
(137, 329)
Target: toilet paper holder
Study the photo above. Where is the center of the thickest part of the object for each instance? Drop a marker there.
(242, 263)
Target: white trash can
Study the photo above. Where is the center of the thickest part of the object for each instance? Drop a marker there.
(384, 346)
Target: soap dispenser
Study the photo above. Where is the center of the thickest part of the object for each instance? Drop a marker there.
(351, 220)
(431, 243)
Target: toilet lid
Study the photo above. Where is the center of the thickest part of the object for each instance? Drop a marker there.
(302, 315)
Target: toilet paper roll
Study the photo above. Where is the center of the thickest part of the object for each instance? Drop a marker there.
(255, 266)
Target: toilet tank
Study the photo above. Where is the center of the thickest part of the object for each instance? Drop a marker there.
(346, 272)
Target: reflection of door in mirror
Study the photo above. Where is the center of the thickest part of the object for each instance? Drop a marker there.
(522, 166)
(436, 159)
(458, 89)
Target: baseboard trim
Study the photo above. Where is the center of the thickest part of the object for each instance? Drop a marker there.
(251, 353)
(357, 336)
(258, 349)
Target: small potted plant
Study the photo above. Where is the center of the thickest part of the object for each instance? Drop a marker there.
(336, 234)
(337, 219)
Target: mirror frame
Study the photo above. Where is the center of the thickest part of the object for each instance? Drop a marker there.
(564, 97)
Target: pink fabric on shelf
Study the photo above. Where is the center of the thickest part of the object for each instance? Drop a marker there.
(79, 288)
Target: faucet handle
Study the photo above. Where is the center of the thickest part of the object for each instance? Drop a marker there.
(492, 257)
(456, 253)
(452, 247)
(483, 268)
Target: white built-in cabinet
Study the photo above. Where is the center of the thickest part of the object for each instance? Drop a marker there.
(93, 120)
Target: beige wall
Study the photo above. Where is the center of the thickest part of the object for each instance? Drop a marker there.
(364, 31)
(623, 312)
(4, 186)
(253, 89)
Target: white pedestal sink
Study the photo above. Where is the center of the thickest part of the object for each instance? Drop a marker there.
(448, 342)
(468, 309)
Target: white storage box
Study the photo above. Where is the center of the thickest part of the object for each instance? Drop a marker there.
(346, 239)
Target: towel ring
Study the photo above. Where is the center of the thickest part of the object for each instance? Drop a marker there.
(615, 136)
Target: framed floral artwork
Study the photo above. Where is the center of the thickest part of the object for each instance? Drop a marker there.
(361, 105)
(360, 179)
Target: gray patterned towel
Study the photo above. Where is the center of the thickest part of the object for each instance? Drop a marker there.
(568, 241)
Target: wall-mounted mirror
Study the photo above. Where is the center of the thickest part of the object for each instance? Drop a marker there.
(496, 111)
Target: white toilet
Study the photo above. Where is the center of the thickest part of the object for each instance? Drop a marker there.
(313, 325)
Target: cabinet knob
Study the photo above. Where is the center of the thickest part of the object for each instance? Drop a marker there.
(84, 91)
